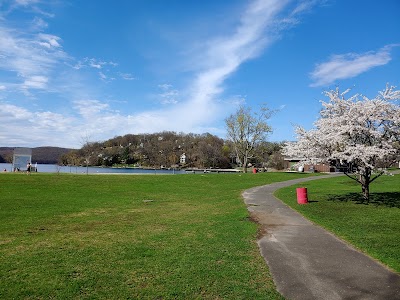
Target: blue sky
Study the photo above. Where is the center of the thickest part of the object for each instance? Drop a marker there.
(72, 71)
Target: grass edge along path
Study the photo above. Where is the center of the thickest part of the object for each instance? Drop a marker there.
(133, 237)
(335, 205)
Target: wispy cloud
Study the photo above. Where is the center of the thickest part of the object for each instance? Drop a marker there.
(26, 2)
(38, 24)
(93, 63)
(257, 28)
(89, 108)
(168, 94)
(126, 76)
(32, 57)
(32, 5)
(35, 82)
(349, 65)
(48, 40)
(104, 68)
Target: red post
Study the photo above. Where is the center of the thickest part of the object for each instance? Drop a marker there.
(302, 195)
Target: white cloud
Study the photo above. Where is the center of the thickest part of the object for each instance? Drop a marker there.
(102, 76)
(11, 112)
(168, 95)
(38, 24)
(126, 76)
(217, 61)
(105, 78)
(105, 74)
(165, 86)
(27, 5)
(35, 82)
(40, 124)
(32, 58)
(93, 63)
(306, 6)
(79, 65)
(349, 65)
(90, 109)
(26, 2)
(48, 40)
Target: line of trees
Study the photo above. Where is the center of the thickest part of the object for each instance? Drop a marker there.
(165, 150)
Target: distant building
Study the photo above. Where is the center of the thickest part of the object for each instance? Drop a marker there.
(182, 159)
(294, 164)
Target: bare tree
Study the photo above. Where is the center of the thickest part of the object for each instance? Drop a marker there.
(87, 150)
(246, 129)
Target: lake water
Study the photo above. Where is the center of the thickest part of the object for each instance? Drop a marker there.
(44, 168)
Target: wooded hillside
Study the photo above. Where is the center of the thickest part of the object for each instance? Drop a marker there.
(158, 150)
(169, 149)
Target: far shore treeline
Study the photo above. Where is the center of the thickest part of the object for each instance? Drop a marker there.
(163, 149)
(40, 155)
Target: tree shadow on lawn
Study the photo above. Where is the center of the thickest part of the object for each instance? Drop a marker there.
(390, 199)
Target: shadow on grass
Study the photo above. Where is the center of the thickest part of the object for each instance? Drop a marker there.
(390, 199)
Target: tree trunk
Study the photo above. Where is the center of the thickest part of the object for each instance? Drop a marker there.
(244, 168)
(244, 164)
(365, 192)
(365, 180)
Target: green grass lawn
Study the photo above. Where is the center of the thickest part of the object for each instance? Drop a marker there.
(131, 237)
(335, 205)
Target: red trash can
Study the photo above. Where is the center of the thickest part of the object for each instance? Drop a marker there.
(302, 195)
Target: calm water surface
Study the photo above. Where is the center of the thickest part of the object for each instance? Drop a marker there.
(44, 168)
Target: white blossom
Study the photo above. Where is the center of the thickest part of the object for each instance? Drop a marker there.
(359, 131)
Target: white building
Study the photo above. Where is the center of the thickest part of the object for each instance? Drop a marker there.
(182, 159)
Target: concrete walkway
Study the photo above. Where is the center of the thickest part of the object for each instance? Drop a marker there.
(306, 261)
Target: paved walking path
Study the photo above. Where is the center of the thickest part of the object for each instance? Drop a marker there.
(306, 261)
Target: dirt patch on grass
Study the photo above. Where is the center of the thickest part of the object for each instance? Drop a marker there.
(261, 229)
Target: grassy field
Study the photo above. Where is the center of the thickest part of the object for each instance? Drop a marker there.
(131, 237)
(335, 204)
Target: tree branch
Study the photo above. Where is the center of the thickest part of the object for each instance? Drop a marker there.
(376, 176)
(354, 178)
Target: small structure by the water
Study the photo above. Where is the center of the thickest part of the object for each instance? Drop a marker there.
(21, 158)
